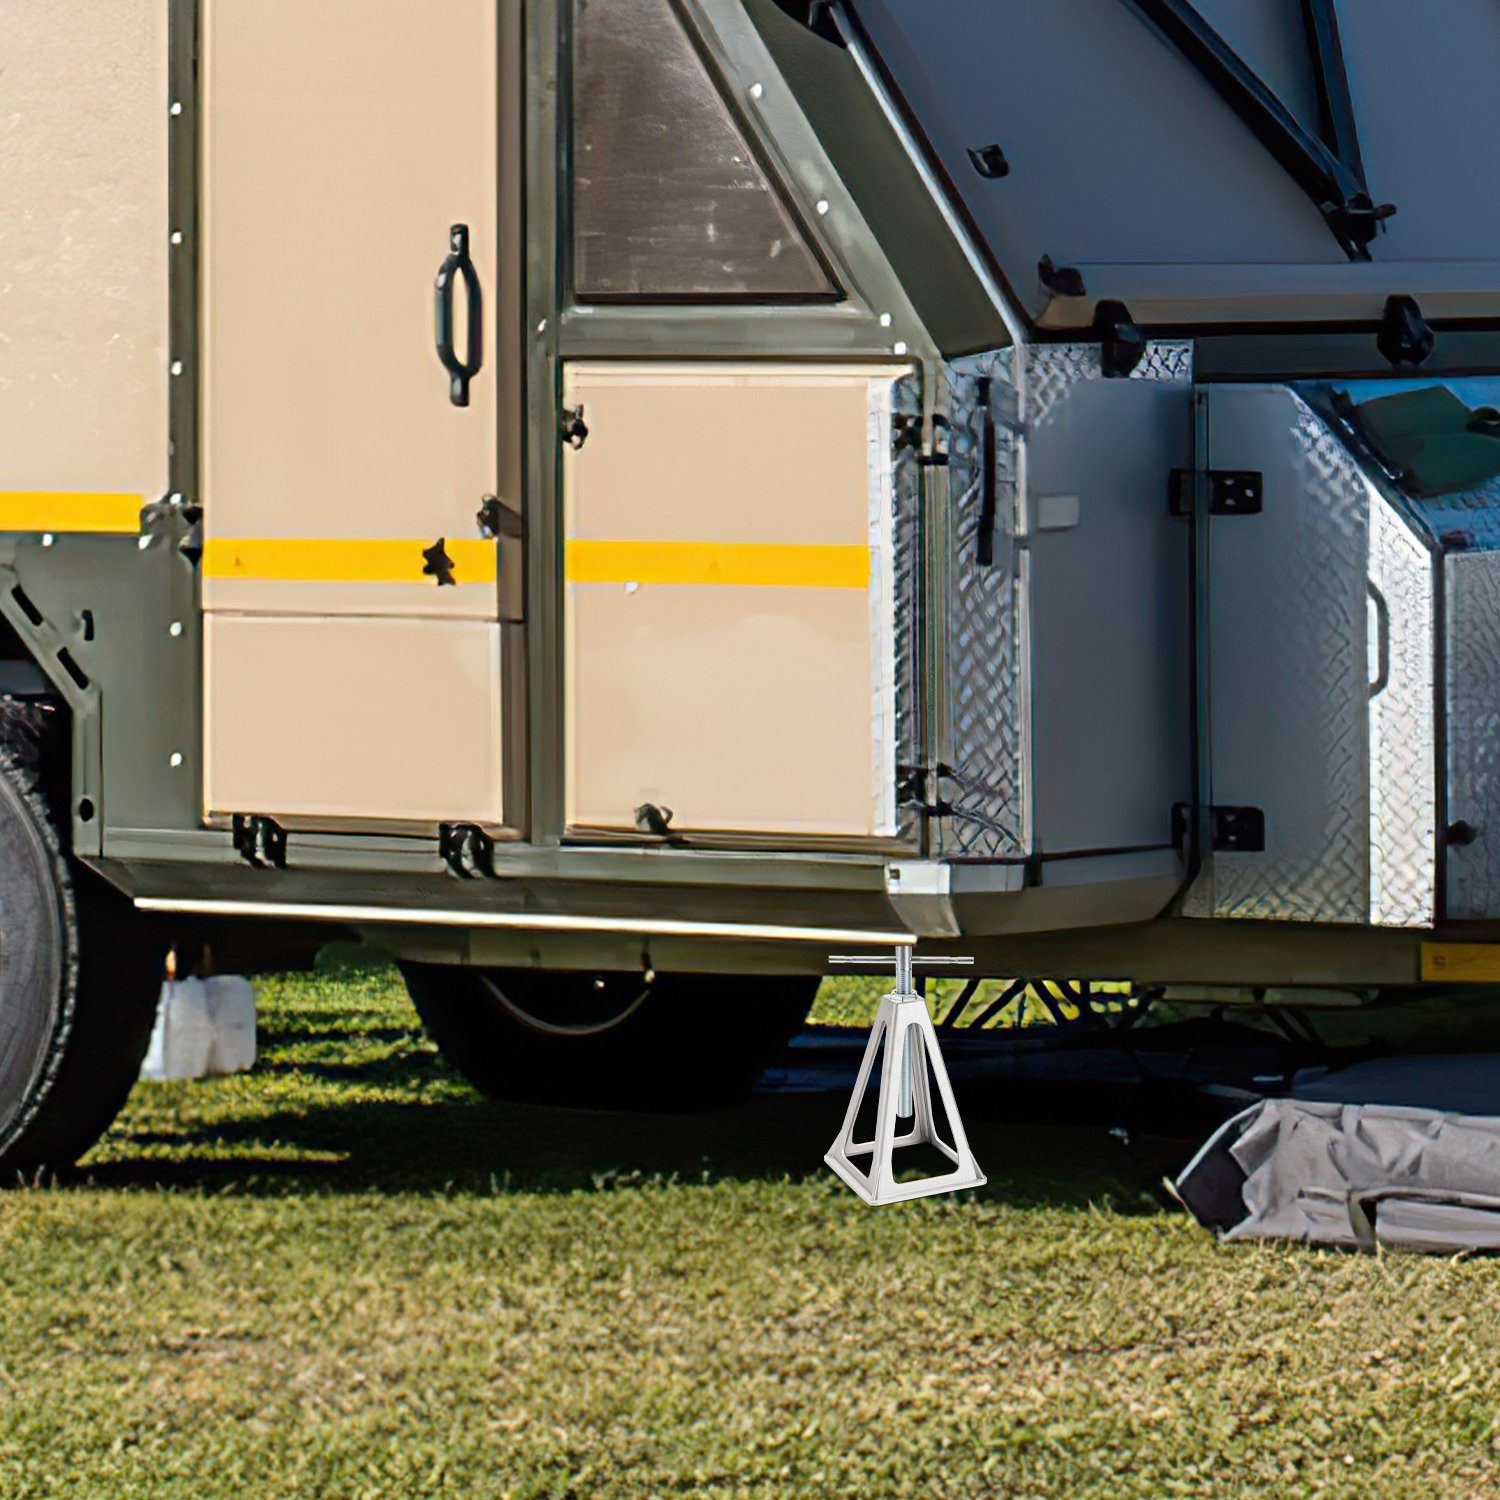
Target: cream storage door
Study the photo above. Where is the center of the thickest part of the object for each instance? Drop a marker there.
(729, 616)
(350, 410)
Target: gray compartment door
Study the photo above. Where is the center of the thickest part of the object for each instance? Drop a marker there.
(1320, 680)
(1473, 693)
(1289, 675)
(1111, 732)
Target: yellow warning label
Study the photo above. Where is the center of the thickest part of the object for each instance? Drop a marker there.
(1461, 963)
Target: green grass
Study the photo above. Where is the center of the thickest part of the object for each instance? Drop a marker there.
(346, 1276)
(851, 1000)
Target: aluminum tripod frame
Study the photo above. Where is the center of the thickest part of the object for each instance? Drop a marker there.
(912, 1068)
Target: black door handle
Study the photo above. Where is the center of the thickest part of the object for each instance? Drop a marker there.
(984, 543)
(458, 267)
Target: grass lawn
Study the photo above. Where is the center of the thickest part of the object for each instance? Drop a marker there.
(346, 1275)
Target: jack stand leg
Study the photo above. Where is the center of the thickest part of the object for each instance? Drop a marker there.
(904, 1040)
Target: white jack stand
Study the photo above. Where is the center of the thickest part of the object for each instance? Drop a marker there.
(911, 1066)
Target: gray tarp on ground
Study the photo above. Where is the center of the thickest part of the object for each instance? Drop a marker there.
(1400, 1152)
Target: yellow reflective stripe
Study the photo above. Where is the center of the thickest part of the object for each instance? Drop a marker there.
(1460, 963)
(753, 564)
(69, 510)
(343, 559)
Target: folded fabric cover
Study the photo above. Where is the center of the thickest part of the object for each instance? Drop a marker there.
(1398, 1152)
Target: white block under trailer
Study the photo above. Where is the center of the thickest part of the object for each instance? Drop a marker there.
(614, 501)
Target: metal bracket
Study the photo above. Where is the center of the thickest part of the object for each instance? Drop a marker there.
(1231, 492)
(913, 784)
(259, 841)
(930, 436)
(989, 161)
(572, 429)
(1231, 830)
(921, 894)
(1327, 166)
(1061, 281)
(1122, 344)
(1405, 336)
(469, 852)
(496, 520)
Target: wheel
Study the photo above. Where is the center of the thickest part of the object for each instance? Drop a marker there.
(78, 991)
(608, 1041)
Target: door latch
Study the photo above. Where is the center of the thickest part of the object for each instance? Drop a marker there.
(497, 519)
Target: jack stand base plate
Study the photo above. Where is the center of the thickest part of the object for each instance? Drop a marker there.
(901, 1192)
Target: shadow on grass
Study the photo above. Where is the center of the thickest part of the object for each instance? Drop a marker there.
(471, 1144)
(349, 1097)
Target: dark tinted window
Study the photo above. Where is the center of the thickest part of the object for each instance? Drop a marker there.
(669, 198)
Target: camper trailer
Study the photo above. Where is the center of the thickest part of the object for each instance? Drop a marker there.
(614, 501)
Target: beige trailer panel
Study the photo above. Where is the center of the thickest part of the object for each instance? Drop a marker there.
(354, 719)
(728, 617)
(84, 350)
(341, 142)
(353, 666)
(713, 702)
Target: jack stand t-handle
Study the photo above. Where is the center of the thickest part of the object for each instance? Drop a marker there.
(904, 1041)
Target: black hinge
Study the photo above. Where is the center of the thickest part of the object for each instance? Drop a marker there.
(1231, 830)
(1231, 492)
(469, 852)
(914, 786)
(259, 841)
(928, 435)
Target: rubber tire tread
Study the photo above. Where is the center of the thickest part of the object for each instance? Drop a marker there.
(100, 1012)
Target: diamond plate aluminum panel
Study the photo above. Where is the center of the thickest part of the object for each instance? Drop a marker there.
(985, 652)
(1474, 514)
(896, 480)
(1290, 685)
(1473, 694)
(984, 619)
(1403, 771)
(1053, 369)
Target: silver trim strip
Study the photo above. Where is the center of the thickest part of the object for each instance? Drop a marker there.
(522, 921)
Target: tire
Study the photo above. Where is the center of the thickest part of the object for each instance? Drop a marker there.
(78, 991)
(608, 1041)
